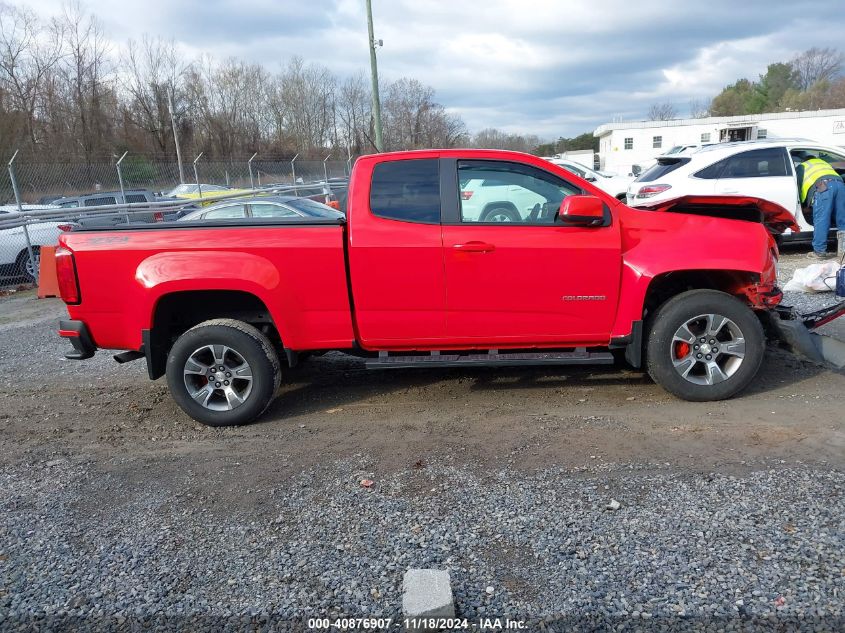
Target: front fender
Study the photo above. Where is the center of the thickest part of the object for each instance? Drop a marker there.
(655, 244)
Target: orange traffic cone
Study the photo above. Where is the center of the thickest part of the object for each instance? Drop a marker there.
(48, 283)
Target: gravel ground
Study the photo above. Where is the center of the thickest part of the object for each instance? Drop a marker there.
(117, 512)
(688, 552)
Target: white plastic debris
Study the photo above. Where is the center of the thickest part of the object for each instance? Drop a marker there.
(814, 278)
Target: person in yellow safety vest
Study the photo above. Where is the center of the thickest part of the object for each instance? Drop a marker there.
(821, 188)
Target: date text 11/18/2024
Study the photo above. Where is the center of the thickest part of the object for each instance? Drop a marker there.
(412, 624)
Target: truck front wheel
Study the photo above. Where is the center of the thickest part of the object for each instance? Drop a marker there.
(704, 345)
(223, 372)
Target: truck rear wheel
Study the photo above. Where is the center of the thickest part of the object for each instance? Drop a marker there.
(704, 345)
(223, 372)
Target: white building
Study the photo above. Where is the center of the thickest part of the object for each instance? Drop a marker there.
(625, 144)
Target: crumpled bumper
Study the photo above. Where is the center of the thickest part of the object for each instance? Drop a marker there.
(796, 330)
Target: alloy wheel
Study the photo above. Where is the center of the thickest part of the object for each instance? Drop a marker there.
(707, 349)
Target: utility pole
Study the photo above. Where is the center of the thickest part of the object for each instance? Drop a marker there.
(175, 137)
(374, 72)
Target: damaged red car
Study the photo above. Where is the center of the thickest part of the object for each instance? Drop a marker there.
(427, 269)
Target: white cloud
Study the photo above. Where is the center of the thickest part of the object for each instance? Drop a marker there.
(545, 66)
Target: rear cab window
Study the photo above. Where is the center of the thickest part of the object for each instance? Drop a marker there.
(96, 202)
(407, 190)
(665, 165)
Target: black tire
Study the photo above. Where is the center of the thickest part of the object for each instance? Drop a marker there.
(24, 268)
(503, 212)
(245, 344)
(685, 308)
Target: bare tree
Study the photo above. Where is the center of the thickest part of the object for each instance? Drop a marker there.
(699, 108)
(60, 93)
(153, 75)
(662, 112)
(84, 72)
(493, 138)
(817, 64)
(354, 116)
(29, 51)
(413, 120)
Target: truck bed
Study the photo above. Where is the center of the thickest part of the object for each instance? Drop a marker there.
(297, 268)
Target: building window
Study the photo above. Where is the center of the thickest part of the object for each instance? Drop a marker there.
(657, 142)
(705, 138)
(629, 143)
(762, 132)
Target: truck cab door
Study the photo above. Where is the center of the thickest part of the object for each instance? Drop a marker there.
(396, 253)
(527, 281)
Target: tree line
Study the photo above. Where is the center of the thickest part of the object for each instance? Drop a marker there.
(811, 80)
(64, 93)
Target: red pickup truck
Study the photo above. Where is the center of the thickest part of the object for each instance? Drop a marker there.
(541, 268)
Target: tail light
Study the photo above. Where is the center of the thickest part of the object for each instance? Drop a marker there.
(158, 216)
(652, 190)
(66, 276)
(65, 227)
(466, 195)
(334, 204)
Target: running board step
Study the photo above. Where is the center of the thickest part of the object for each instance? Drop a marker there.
(578, 357)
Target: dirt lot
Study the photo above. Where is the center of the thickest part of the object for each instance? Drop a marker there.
(118, 441)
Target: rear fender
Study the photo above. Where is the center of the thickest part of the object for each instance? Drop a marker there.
(171, 272)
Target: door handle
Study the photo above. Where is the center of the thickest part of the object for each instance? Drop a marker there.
(474, 247)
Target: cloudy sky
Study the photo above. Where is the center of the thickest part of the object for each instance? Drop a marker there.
(550, 67)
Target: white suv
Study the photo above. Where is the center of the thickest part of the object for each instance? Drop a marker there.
(760, 169)
(611, 183)
(494, 200)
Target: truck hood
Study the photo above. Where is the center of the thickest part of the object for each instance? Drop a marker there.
(775, 217)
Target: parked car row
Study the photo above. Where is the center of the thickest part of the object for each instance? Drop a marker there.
(313, 201)
(15, 261)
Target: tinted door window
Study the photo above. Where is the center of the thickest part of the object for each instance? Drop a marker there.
(510, 192)
(758, 163)
(234, 211)
(268, 210)
(135, 197)
(407, 190)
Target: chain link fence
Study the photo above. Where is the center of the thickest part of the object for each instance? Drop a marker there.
(39, 200)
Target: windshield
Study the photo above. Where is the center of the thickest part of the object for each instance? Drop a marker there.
(181, 190)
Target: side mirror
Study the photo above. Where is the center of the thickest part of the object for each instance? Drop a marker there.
(581, 211)
(589, 178)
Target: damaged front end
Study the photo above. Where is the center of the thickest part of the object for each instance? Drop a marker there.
(797, 331)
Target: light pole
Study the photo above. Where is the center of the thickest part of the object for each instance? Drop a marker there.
(196, 175)
(293, 173)
(249, 164)
(120, 178)
(175, 136)
(374, 72)
(325, 170)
